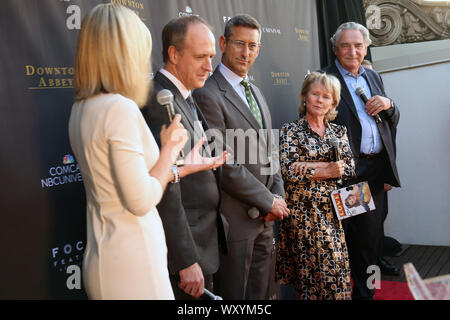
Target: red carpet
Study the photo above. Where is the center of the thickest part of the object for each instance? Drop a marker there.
(393, 290)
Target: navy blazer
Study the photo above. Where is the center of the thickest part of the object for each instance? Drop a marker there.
(348, 116)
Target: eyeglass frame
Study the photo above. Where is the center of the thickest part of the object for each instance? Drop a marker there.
(240, 44)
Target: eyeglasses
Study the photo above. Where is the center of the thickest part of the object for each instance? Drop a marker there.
(253, 47)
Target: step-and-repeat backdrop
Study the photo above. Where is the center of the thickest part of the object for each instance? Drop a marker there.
(42, 204)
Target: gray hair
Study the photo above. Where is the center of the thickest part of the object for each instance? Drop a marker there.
(351, 26)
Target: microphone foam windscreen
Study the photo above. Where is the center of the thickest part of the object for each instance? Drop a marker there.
(164, 97)
(359, 91)
(334, 142)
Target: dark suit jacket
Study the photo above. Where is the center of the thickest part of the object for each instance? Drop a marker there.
(244, 184)
(348, 116)
(189, 210)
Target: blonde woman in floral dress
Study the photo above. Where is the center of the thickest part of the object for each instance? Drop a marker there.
(312, 253)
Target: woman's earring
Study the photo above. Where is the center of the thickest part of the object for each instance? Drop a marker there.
(304, 103)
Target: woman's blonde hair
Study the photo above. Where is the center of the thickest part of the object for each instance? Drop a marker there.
(330, 82)
(113, 54)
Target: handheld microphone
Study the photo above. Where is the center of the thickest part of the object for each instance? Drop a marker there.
(337, 152)
(208, 295)
(165, 98)
(360, 92)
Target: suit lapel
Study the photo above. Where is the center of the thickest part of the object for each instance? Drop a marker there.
(204, 128)
(235, 99)
(371, 82)
(383, 127)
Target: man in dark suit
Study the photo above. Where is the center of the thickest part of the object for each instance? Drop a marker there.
(372, 142)
(252, 187)
(189, 209)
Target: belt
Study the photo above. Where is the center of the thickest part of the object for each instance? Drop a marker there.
(368, 156)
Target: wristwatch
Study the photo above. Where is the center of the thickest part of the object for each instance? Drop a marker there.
(278, 196)
(175, 174)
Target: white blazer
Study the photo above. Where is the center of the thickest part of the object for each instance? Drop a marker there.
(126, 252)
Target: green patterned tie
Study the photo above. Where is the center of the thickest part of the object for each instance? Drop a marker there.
(252, 102)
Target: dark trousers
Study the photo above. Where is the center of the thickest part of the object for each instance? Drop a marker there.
(384, 215)
(363, 233)
(245, 272)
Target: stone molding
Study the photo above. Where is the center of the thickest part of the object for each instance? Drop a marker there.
(406, 21)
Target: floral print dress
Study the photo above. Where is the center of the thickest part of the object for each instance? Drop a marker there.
(312, 253)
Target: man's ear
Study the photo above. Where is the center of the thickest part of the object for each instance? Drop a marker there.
(222, 43)
(257, 53)
(173, 54)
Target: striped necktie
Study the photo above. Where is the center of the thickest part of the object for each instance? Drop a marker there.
(252, 102)
(191, 103)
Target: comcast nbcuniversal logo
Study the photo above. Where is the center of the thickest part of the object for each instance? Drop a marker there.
(68, 159)
(67, 172)
(187, 12)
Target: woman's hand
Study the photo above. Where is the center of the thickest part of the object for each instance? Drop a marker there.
(335, 169)
(328, 170)
(301, 167)
(194, 162)
(174, 137)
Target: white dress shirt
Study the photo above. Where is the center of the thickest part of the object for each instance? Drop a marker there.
(370, 136)
(184, 92)
(235, 81)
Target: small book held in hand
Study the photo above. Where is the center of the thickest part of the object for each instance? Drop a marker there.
(352, 200)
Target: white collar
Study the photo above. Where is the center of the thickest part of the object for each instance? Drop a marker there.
(180, 86)
(230, 76)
